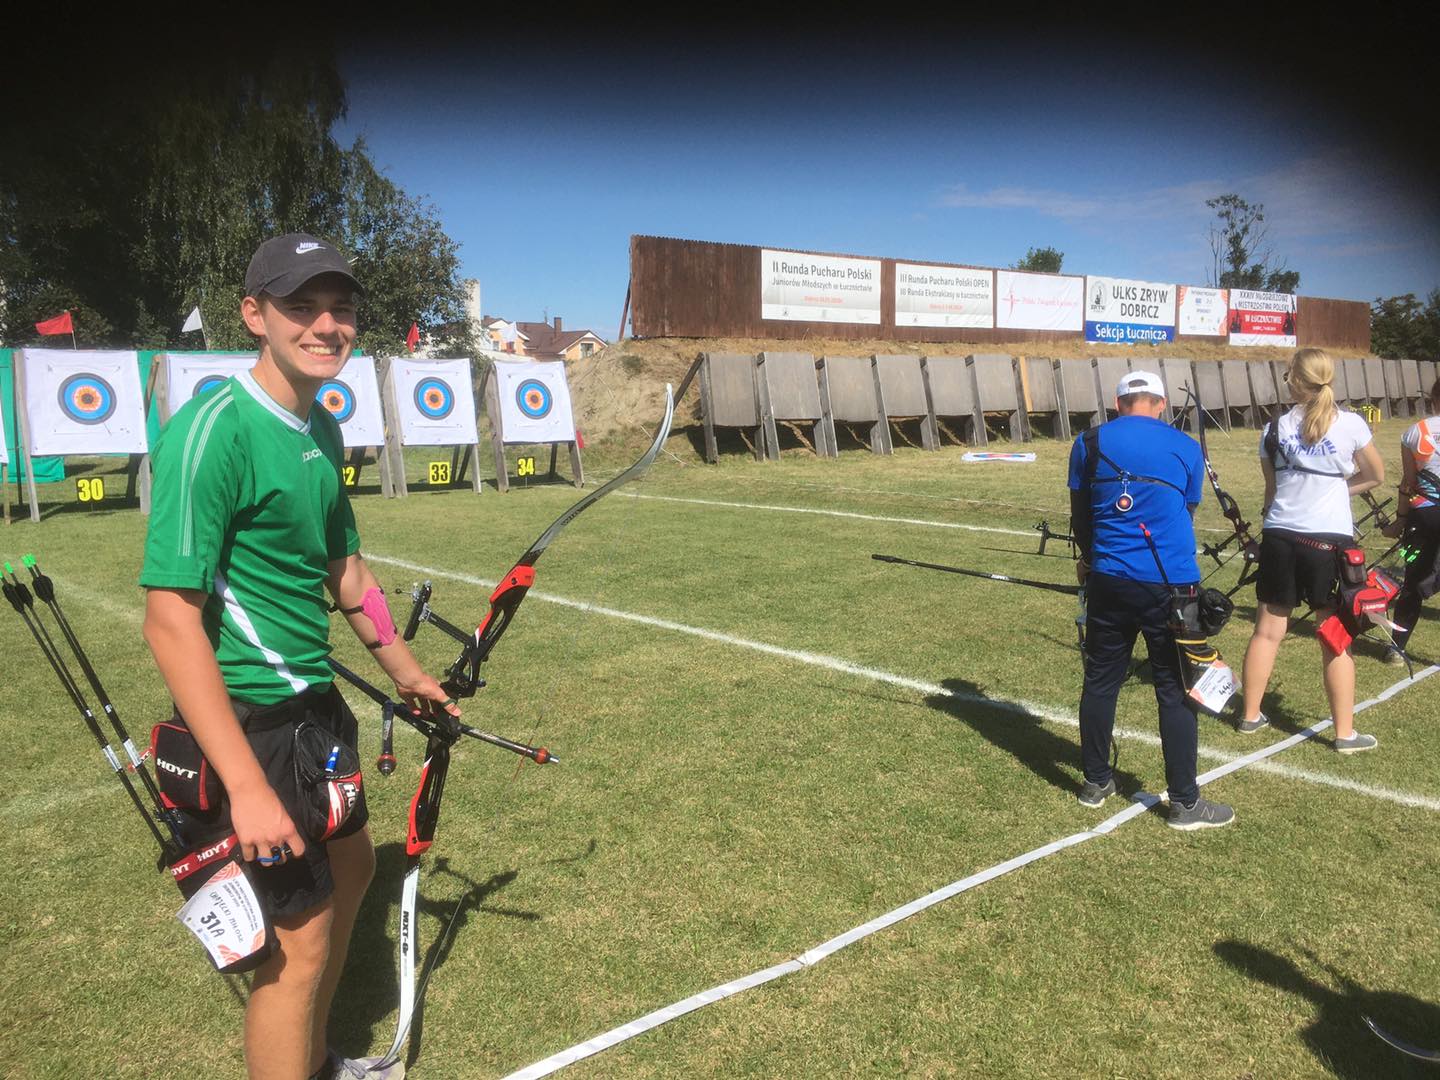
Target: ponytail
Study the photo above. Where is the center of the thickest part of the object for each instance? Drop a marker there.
(1311, 372)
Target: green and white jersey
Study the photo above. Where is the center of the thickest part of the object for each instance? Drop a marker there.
(248, 506)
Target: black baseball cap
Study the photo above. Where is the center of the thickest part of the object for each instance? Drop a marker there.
(283, 263)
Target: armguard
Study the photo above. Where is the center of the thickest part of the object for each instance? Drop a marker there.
(376, 608)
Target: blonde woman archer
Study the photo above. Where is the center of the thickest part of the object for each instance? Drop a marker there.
(1315, 458)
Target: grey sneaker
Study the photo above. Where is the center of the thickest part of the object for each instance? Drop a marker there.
(1355, 743)
(1204, 814)
(1393, 657)
(1093, 794)
(1249, 727)
(345, 1068)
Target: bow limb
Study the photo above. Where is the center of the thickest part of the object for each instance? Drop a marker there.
(1240, 528)
(463, 678)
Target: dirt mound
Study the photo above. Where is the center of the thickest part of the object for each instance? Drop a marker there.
(623, 386)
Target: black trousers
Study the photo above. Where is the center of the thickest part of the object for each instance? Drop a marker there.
(1117, 610)
(1422, 577)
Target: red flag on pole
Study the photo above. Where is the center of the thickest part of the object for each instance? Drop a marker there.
(60, 324)
(413, 337)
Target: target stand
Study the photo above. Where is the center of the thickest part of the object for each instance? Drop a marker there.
(80, 403)
(428, 403)
(533, 401)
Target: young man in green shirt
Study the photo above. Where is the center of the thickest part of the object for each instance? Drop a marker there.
(250, 527)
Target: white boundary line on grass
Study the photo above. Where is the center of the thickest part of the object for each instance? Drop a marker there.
(833, 663)
(556, 1062)
(834, 513)
(842, 514)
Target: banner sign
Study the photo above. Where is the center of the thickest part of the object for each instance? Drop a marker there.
(1204, 312)
(4, 441)
(434, 402)
(534, 403)
(1038, 301)
(353, 398)
(1262, 318)
(1125, 312)
(188, 375)
(819, 288)
(944, 296)
(80, 402)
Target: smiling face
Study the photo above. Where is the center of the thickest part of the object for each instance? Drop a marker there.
(305, 337)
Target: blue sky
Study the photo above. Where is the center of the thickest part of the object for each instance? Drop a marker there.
(542, 163)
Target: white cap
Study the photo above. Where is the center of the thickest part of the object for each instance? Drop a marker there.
(1140, 382)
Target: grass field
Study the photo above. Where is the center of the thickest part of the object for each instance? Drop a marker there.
(768, 739)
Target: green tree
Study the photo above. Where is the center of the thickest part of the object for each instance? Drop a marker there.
(1044, 260)
(154, 203)
(1241, 256)
(1401, 327)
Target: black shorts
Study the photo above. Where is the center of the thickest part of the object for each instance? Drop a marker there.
(297, 884)
(1296, 567)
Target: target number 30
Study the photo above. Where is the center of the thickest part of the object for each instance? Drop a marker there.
(439, 472)
(90, 489)
(525, 467)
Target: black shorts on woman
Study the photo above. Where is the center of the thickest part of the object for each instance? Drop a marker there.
(300, 882)
(1298, 568)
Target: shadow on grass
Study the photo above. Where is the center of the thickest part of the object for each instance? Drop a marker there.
(1338, 1036)
(1009, 726)
(370, 985)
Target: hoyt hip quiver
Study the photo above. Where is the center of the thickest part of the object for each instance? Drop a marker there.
(221, 907)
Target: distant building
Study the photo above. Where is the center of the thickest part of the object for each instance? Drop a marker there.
(500, 335)
(546, 342)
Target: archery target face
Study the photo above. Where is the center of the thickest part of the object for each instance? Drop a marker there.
(338, 400)
(434, 398)
(353, 398)
(188, 375)
(87, 398)
(206, 384)
(434, 402)
(534, 399)
(534, 402)
(83, 402)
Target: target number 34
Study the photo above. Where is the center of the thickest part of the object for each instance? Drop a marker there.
(525, 467)
(90, 489)
(439, 472)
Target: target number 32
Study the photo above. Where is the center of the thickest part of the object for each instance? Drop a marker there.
(439, 472)
(90, 489)
(525, 467)
(349, 476)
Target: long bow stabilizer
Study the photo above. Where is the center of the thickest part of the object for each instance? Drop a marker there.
(1240, 536)
(1049, 586)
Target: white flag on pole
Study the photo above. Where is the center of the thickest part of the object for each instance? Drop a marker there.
(193, 322)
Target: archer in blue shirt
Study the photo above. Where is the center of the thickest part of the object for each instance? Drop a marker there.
(1138, 471)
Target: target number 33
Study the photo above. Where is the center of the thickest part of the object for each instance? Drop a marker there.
(439, 472)
(90, 489)
(525, 467)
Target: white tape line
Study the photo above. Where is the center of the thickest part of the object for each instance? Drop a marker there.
(834, 513)
(556, 1062)
(843, 514)
(920, 686)
(652, 1020)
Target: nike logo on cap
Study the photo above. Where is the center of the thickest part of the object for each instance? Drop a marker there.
(303, 248)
